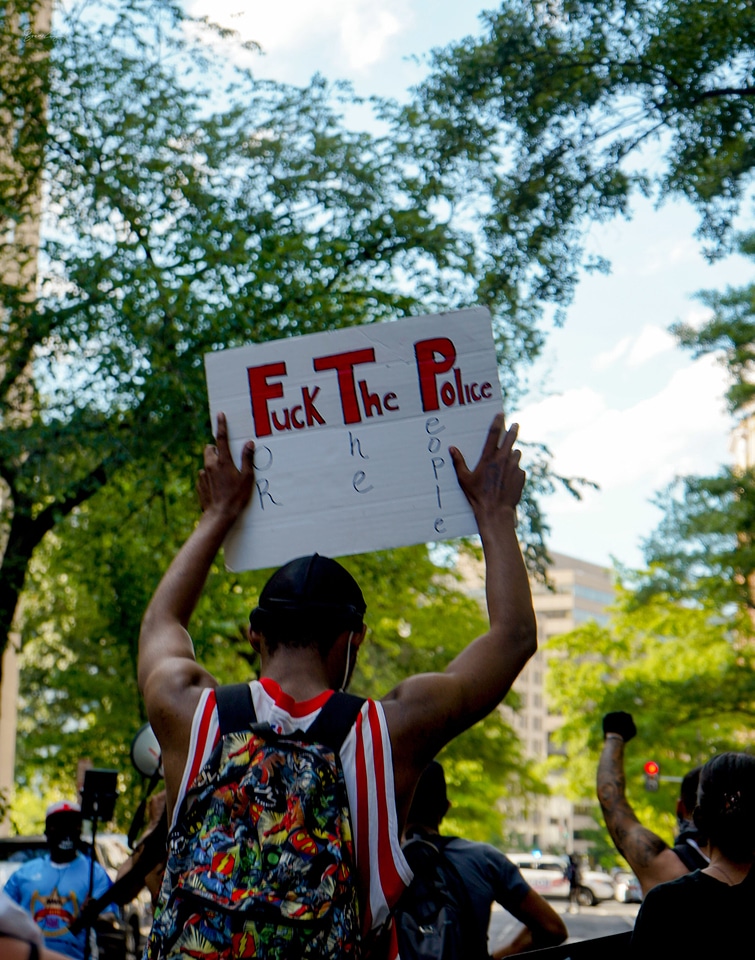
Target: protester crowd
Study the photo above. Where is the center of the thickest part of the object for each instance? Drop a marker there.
(303, 821)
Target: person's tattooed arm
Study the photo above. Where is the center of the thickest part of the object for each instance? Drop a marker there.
(649, 856)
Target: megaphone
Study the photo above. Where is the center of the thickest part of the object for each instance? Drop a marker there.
(146, 755)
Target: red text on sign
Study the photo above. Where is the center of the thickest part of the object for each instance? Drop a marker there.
(350, 390)
(262, 391)
(434, 358)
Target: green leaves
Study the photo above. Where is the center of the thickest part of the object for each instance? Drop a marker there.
(86, 592)
(678, 651)
(553, 118)
(684, 672)
(180, 220)
(703, 547)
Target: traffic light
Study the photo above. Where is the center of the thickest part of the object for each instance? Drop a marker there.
(652, 775)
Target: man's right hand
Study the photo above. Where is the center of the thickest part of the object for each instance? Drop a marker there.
(620, 722)
(496, 482)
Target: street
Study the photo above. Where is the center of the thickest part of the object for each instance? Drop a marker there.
(606, 918)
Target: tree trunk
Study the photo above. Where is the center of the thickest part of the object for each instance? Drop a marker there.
(23, 537)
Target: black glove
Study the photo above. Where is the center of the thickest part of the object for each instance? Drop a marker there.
(621, 723)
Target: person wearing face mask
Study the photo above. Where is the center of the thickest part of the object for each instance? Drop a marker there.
(285, 807)
(53, 888)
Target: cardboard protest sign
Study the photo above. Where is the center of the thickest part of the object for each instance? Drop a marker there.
(352, 429)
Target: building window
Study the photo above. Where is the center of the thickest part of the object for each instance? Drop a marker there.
(584, 616)
(605, 597)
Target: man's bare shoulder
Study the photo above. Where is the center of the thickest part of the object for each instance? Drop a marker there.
(172, 692)
(422, 706)
(172, 695)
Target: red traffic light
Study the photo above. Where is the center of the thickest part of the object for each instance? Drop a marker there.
(651, 768)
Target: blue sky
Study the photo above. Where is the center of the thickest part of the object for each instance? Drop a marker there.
(613, 396)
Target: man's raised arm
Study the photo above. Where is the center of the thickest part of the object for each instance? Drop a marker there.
(426, 711)
(651, 859)
(170, 679)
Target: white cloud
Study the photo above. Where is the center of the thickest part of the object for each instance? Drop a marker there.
(365, 33)
(685, 251)
(556, 415)
(697, 316)
(609, 357)
(354, 31)
(643, 446)
(651, 342)
(631, 453)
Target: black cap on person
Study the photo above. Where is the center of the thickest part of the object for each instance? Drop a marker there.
(315, 586)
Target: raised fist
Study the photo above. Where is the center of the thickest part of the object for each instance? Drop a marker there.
(621, 723)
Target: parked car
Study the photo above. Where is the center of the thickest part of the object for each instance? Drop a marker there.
(125, 939)
(627, 887)
(546, 873)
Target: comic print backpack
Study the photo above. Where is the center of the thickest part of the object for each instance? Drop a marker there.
(260, 862)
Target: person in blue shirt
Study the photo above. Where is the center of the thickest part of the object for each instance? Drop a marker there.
(53, 888)
(487, 875)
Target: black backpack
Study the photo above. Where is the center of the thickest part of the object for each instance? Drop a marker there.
(434, 917)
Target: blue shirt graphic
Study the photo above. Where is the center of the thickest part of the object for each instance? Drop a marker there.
(53, 893)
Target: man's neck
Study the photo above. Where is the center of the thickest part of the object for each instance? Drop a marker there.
(301, 677)
(422, 828)
(61, 863)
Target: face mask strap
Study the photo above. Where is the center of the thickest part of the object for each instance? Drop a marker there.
(348, 662)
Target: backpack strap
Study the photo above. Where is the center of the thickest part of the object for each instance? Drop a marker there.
(334, 721)
(440, 843)
(236, 713)
(235, 708)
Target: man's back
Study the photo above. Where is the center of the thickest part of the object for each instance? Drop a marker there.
(367, 772)
(309, 626)
(489, 875)
(436, 917)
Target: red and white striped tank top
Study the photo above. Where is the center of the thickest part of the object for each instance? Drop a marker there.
(366, 758)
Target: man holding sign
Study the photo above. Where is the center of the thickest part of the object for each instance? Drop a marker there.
(308, 629)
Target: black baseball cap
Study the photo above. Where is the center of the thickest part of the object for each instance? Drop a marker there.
(312, 585)
(430, 802)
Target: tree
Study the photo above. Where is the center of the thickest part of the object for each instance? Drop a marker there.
(558, 113)
(678, 650)
(174, 226)
(704, 547)
(682, 671)
(86, 593)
